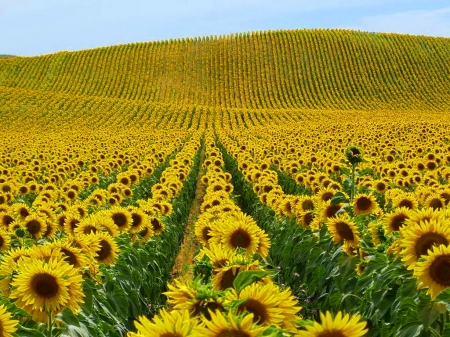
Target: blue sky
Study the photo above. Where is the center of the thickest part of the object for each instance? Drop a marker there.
(34, 27)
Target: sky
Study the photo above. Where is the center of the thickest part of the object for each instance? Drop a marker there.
(35, 27)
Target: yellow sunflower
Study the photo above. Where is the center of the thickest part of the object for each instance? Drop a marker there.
(202, 231)
(157, 225)
(72, 255)
(146, 233)
(177, 323)
(5, 241)
(72, 220)
(236, 234)
(221, 325)
(395, 220)
(435, 201)
(343, 229)
(45, 286)
(139, 219)
(35, 225)
(328, 210)
(433, 272)
(121, 217)
(339, 326)
(364, 204)
(218, 254)
(406, 200)
(262, 301)
(224, 277)
(6, 219)
(108, 248)
(7, 325)
(417, 239)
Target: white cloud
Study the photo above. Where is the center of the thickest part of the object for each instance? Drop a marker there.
(417, 22)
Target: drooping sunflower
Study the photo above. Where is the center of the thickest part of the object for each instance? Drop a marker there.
(433, 272)
(343, 229)
(221, 325)
(176, 323)
(45, 286)
(35, 225)
(7, 325)
(364, 204)
(417, 239)
(395, 220)
(339, 326)
(107, 254)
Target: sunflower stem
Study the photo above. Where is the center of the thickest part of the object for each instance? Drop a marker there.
(50, 324)
(353, 189)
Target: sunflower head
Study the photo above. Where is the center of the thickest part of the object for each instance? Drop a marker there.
(354, 155)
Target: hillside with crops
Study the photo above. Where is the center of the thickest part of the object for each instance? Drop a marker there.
(280, 183)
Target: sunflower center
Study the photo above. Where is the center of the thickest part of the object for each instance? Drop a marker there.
(1, 244)
(331, 210)
(331, 334)
(105, 250)
(156, 224)
(436, 203)
(33, 227)
(7, 219)
(440, 270)
(327, 196)
(119, 219)
(240, 238)
(228, 279)
(69, 256)
(137, 220)
(45, 285)
(205, 233)
(307, 205)
(202, 308)
(427, 241)
(170, 334)
(344, 230)
(143, 232)
(406, 203)
(398, 221)
(307, 219)
(255, 307)
(232, 333)
(363, 203)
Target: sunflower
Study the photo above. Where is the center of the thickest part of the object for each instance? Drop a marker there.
(417, 239)
(72, 255)
(157, 225)
(108, 248)
(405, 200)
(229, 325)
(236, 234)
(7, 325)
(364, 204)
(103, 221)
(121, 217)
(433, 272)
(376, 233)
(45, 286)
(224, 277)
(342, 229)
(328, 210)
(71, 222)
(176, 323)
(87, 226)
(21, 209)
(217, 254)
(262, 301)
(339, 326)
(326, 194)
(6, 219)
(139, 219)
(424, 214)
(179, 294)
(35, 226)
(146, 233)
(435, 201)
(202, 231)
(5, 240)
(395, 220)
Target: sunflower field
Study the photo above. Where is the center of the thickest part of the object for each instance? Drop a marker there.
(287, 183)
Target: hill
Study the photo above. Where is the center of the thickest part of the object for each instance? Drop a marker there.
(296, 69)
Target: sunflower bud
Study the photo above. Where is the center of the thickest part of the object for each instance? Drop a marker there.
(20, 232)
(354, 155)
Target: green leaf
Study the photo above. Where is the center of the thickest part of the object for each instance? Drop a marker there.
(27, 332)
(365, 171)
(345, 170)
(446, 332)
(411, 329)
(68, 317)
(338, 198)
(247, 277)
(428, 312)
